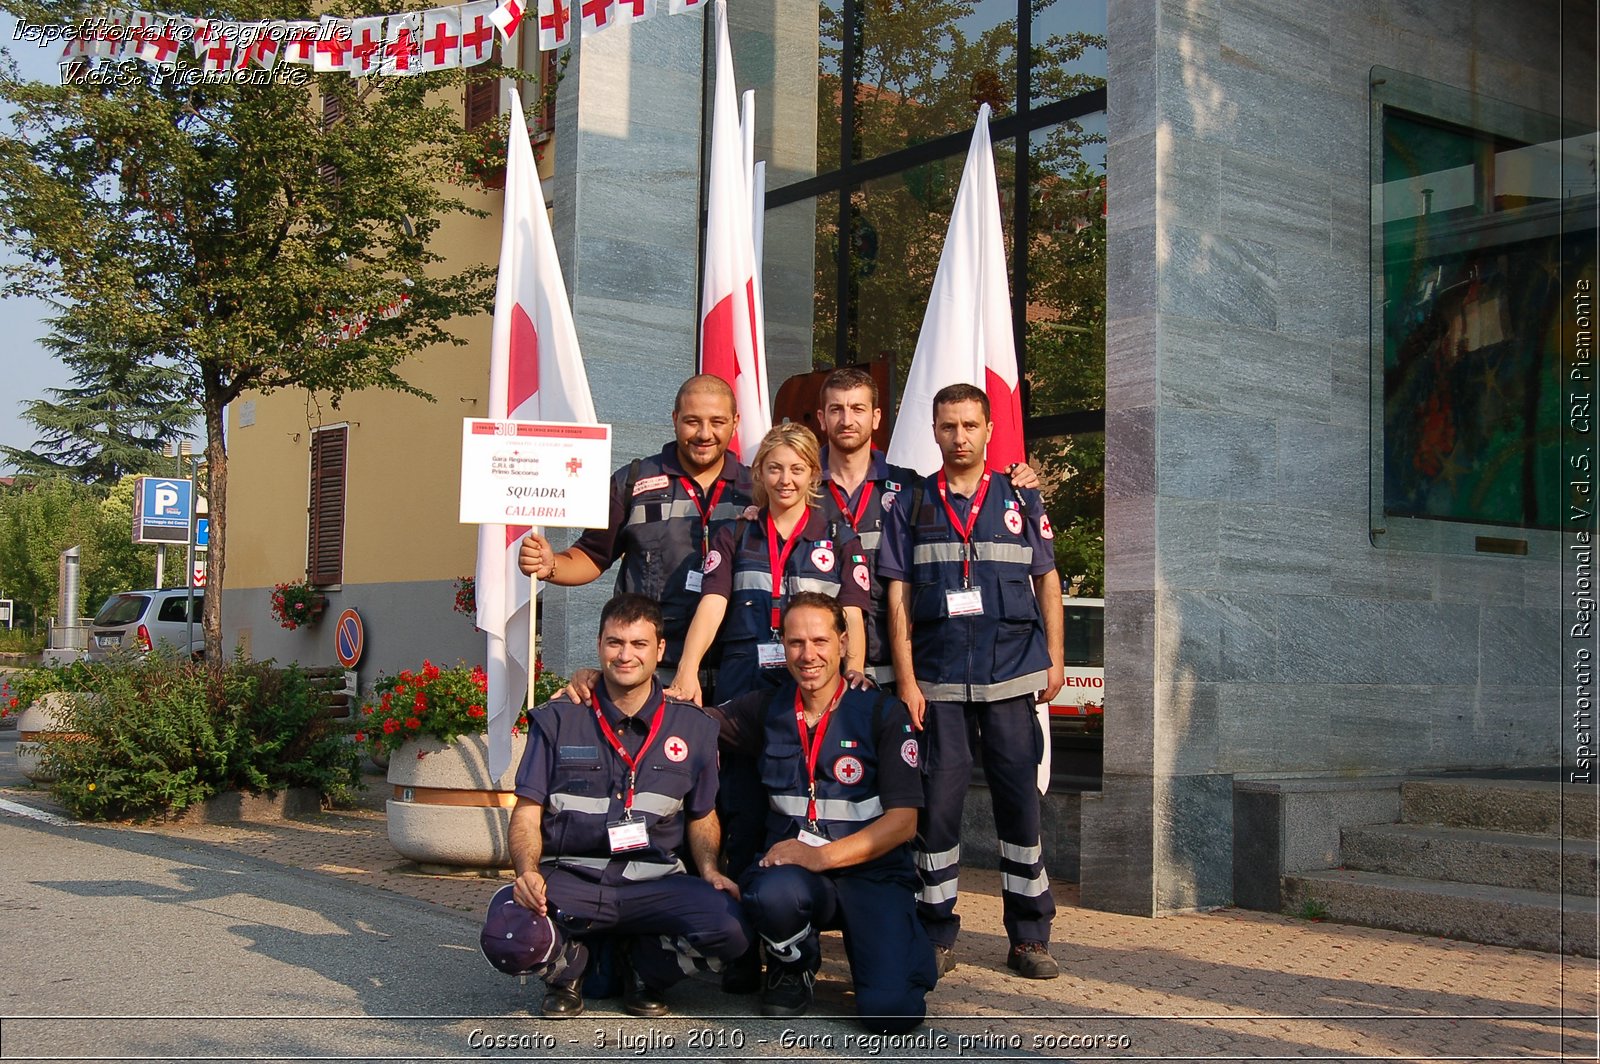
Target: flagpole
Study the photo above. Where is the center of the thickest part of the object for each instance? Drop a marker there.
(533, 641)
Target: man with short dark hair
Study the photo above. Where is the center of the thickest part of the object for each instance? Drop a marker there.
(859, 487)
(975, 622)
(664, 510)
(608, 793)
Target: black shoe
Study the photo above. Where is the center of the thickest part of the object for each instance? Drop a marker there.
(787, 993)
(1032, 960)
(742, 975)
(637, 998)
(562, 1002)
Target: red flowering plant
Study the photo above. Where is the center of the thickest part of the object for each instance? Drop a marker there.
(442, 704)
(466, 596)
(297, 604)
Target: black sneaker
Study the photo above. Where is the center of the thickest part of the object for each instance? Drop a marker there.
(1032, 960)
(787, 993)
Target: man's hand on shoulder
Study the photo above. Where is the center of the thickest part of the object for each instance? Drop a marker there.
(580, 688)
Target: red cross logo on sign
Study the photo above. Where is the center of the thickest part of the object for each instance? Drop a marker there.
(847, 770)
(676, 749)
(1013, 522)
(573, 465)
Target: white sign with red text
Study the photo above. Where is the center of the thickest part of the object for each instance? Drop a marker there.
(550, 473)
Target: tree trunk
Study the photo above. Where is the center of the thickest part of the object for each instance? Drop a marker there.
(217, 503)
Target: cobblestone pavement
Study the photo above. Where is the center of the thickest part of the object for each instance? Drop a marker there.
(1227, 984)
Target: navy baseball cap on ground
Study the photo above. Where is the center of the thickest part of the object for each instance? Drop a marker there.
(514, 939)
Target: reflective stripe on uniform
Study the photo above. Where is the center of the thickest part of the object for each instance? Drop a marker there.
(1028, 684)
(932, 862)
(753, 580)
(637, 871)
(828, 808)
(869, 540)
(1028, 888)
(937, 893)
(1021, 854)
(953, 551)
(575, 803)
(669, 511)
(660, 804)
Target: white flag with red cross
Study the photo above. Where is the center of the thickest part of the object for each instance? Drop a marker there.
(635, 10)
(680, 6)
(158, 45)
(535, 374)
(555, 23)
(366, 46)
(333, 46)
(966, 333)
(299, 42)
(477, 32)
(730, 304)
(107, 42)
(507, 18)
(219, 50)
(259, 45)
(401, 41)
(596, 15)
(441, 39)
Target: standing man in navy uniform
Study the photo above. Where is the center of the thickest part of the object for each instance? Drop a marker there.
(976, 628)
(607, 793)
(664, 511)
(840, 767)
(859, 486)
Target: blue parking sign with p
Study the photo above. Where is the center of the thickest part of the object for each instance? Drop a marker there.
(164, 508)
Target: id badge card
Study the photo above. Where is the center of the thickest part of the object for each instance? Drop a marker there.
(769, 655)
(626, 835)
(811, 838)
(968, 602)
(692, 581)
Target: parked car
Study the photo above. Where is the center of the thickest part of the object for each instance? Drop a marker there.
(143, 621)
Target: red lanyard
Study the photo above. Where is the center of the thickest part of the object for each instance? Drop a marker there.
(777, 560)
(616, 744)
(843, 500)
(965, 532)
(705, 509)
(811, 746)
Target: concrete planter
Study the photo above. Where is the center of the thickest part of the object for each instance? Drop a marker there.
(41, 720)
(446, 809)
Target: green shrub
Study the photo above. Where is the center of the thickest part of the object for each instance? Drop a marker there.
(26, 685)
(156, 735)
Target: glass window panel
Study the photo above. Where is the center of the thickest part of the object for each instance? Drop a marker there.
(923, 69)
(1069, 49)
(830, 92)
(1064, 346)
(1072, 470)
(798, 283)
(898, 228)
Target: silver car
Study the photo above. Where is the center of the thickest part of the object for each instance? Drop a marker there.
(145, 620)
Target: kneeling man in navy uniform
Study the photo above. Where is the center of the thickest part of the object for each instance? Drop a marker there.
(840, 768)
(607, 793)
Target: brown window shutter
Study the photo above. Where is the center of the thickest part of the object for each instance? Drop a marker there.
(325, 541)
(483, 94)
(332, 115)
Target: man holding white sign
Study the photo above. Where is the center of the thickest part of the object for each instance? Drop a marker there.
(664, 510)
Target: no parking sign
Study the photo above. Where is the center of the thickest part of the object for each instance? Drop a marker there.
(349, 638)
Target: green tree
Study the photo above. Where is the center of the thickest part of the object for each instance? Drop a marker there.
(120, 413)
(227, 229)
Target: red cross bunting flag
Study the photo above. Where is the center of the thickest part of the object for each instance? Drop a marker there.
(730, 303)
(477, 32)
(300, 43)
(635, 10)
(555, 23)
(258, 46)
(366, 46)
(159, 43)
(401, 41)
(507, 18)
(219, 47)
(966, 333)
(107, 40)
(333, 46)
(535, 374)
(441, 39)
(596, 16)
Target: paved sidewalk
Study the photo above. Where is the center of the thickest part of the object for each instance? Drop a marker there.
(1229, 983)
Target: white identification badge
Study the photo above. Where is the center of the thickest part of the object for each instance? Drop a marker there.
(692, 581)
(769, 655)
(812, 839)
(968, 602)
(626, 835)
